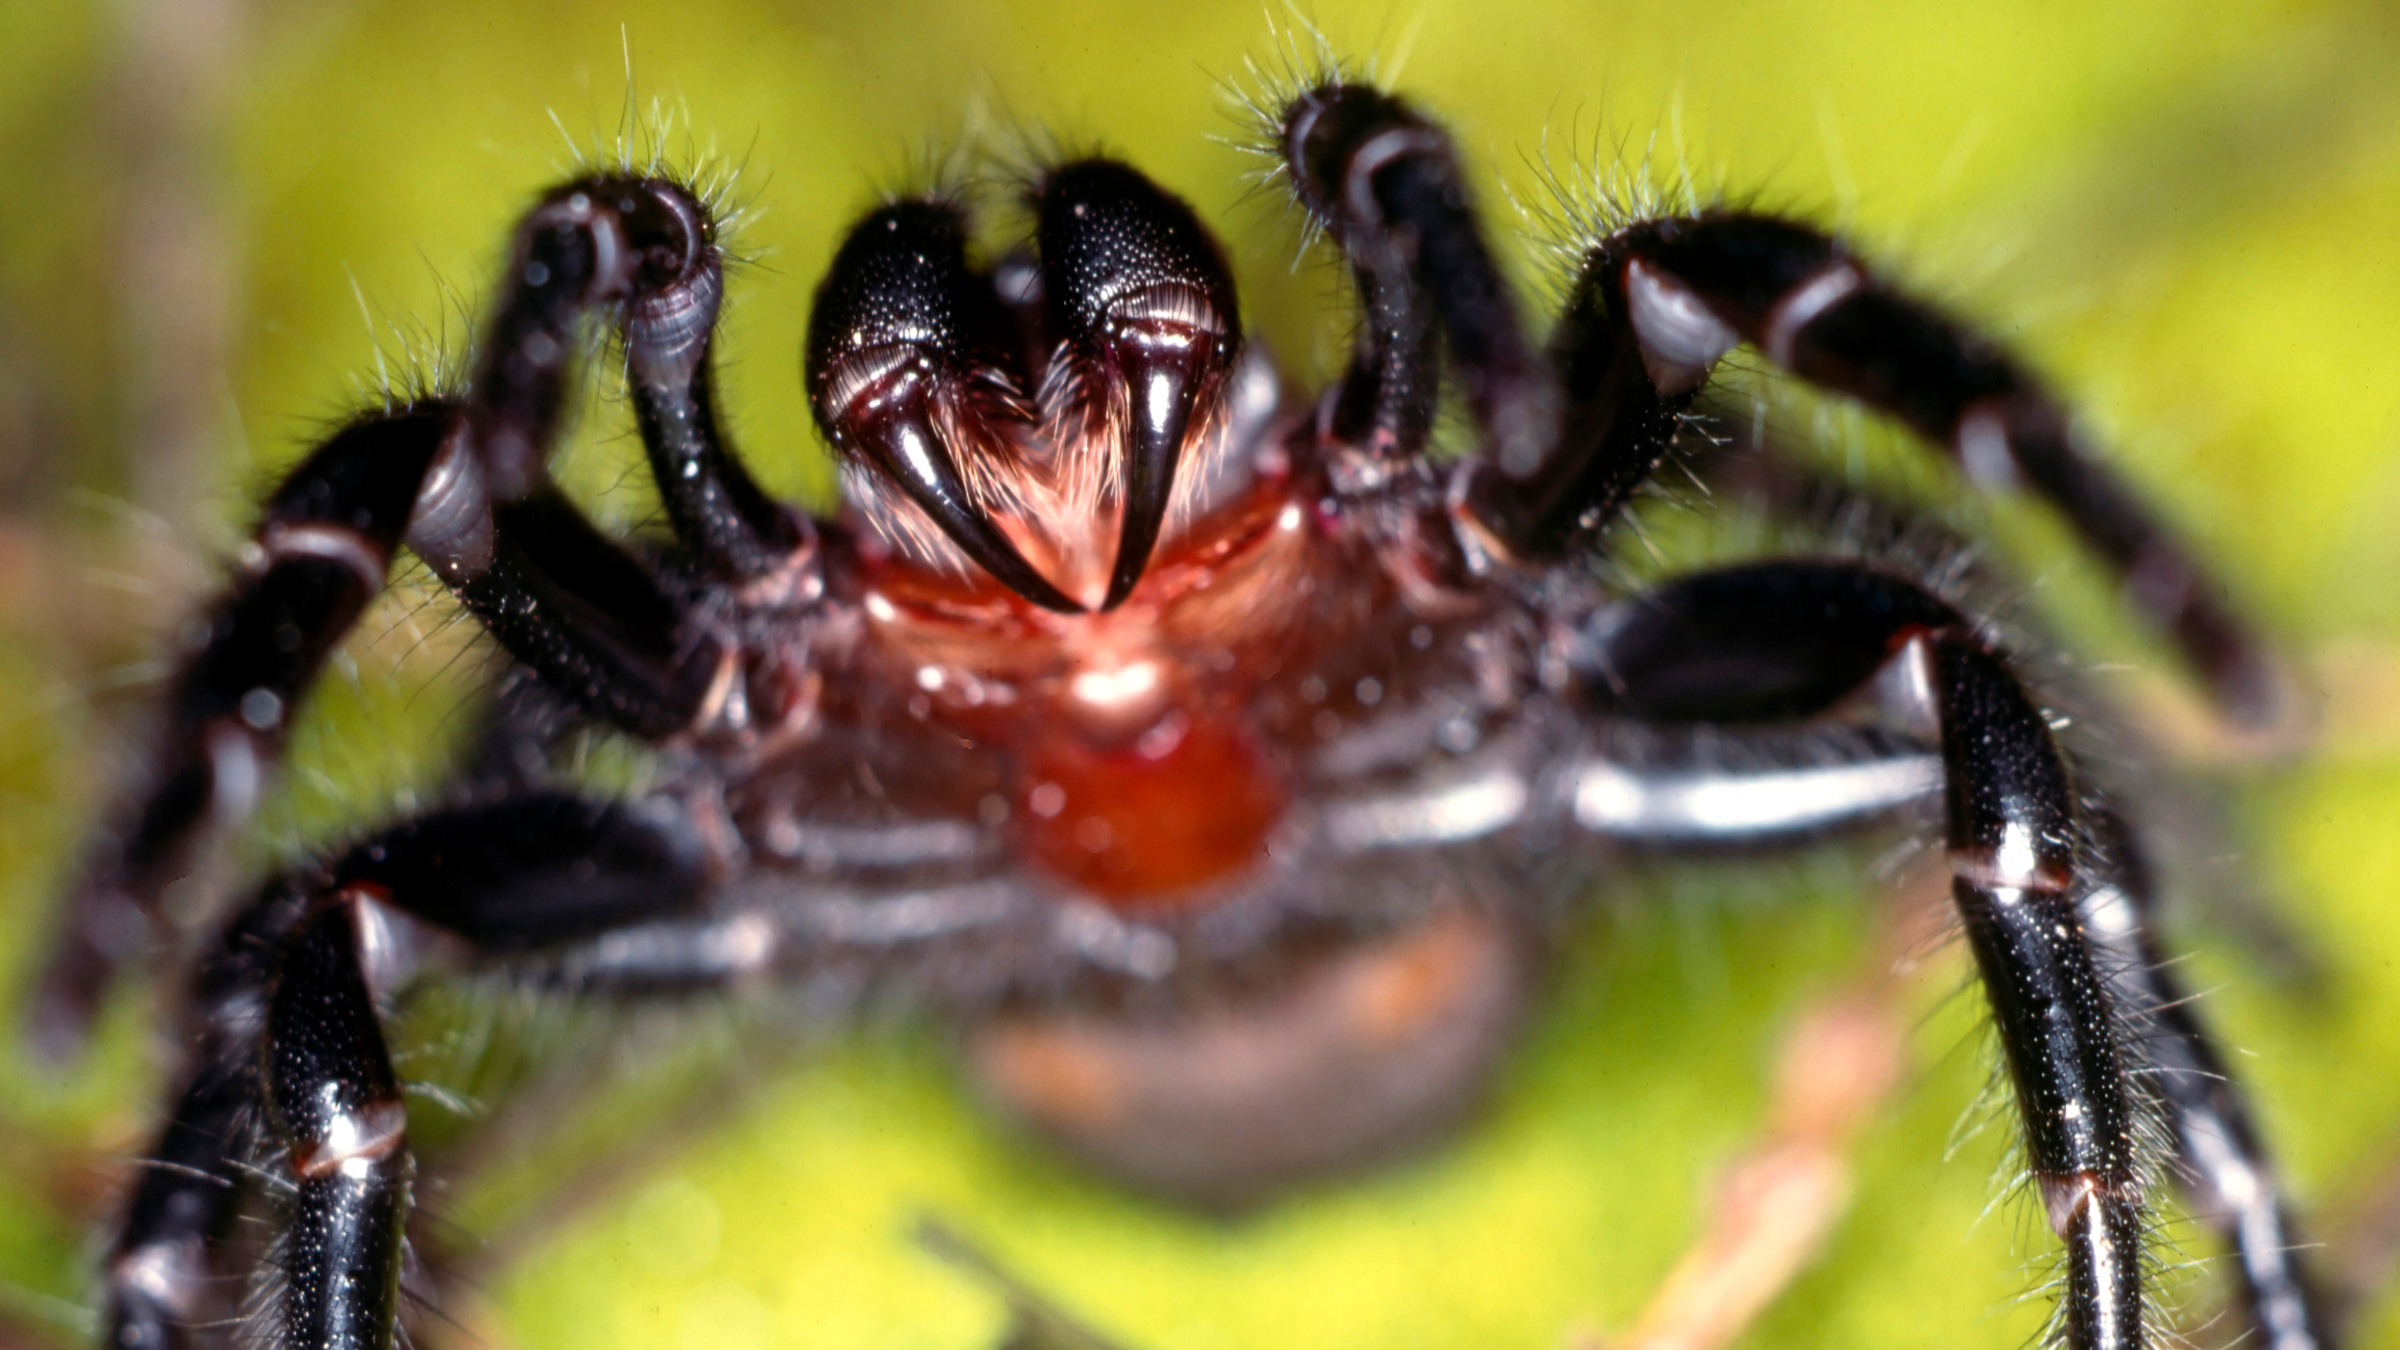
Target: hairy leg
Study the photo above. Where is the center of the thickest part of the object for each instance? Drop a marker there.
(462, 481)
(287, 1053)
(2087, 1011)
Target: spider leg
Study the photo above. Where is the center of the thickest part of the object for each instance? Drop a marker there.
(562, 598)
(319, 556)
(1387, 399)
(159, 1274)
(2220, 1160)
(1650, 312)
(290, 1044)
(593, 621)
(2010, 809)
(1690, 288)
(590, 619)
(461, 481)
(2075, 981)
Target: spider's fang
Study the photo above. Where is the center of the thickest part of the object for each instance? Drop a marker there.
(898, 341)
(1139, 292)
(913, 456)
(1166, 369)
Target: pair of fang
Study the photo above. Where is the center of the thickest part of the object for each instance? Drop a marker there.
(914, 361)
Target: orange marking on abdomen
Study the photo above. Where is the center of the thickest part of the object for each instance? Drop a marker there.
(1146, 825)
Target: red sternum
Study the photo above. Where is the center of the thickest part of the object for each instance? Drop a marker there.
(1149, 823)
(1142, 778)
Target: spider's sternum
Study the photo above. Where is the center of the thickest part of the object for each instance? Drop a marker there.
(1147, 824)
(1141, 778)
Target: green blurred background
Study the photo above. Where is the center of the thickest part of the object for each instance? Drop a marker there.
(220, 212)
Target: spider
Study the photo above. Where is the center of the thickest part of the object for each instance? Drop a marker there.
(1140, 712)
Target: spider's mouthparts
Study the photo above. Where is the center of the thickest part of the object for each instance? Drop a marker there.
(1141, 299)
(898, 330)
(1168, 365)
(1126, 322)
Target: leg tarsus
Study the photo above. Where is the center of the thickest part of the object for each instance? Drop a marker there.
(2229, 1180)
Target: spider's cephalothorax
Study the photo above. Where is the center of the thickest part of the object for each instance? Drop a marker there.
(1211, 753)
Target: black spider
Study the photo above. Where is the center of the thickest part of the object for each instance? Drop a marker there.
(1137, 708)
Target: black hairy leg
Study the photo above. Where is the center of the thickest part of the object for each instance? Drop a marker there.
(1386, 185)
(1690, 288)
(2221, 1160)
(1649, 314)
(288, 1060)
(1711, 645)
(320, 556)
(461, 481)
(2053, 898)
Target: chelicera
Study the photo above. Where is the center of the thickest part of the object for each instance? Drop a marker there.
(1206, 749)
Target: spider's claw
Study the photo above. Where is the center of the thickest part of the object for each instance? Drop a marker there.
(900, 346)
(915, 459)
(1162, 395)
(1140, 296)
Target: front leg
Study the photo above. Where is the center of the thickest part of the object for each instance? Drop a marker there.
(1386, 184)
(462, 480)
